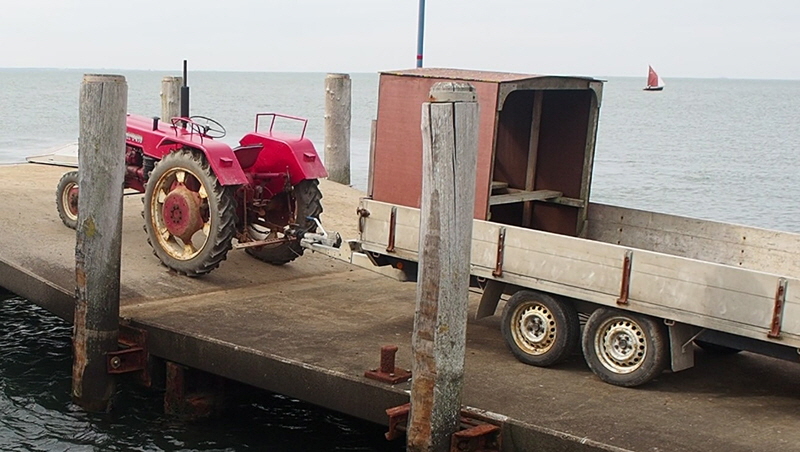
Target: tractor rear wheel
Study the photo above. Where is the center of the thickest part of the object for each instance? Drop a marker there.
(190, 219)
(67, 199)
(304, 201)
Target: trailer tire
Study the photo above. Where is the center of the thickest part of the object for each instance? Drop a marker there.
(190, 219)
(625, 349)
(67, 199)
(540, 329)
(306, 198)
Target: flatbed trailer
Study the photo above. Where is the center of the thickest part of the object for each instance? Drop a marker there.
(635, 290)
(668, 280)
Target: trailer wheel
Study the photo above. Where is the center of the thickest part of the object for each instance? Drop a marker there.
(190, 219)
(540, 329)
(624, 349)
(304, 202)
(67, 199)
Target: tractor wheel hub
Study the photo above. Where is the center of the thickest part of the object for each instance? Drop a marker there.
(72, 200)
(182, 213)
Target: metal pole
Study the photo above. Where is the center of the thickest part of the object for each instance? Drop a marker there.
(420, 31)
(185, 94)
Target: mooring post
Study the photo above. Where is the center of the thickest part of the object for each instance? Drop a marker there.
(170, 97)
(101, 163)
(450, 148)
(337, 127)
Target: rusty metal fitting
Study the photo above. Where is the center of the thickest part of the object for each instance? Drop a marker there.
(387, 372)
(387, 358)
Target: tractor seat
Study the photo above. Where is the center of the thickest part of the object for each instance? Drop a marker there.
(247, 155)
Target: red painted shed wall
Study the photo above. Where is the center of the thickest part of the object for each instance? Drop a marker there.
(397, 163)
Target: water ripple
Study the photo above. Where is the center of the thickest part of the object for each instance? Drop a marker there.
(36, 413)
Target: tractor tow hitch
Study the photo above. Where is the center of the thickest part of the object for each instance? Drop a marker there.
(320, 238)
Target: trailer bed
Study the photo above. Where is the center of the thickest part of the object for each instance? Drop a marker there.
(723, 277)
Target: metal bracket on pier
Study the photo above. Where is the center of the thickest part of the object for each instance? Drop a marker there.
(132, 355)
(476, 434)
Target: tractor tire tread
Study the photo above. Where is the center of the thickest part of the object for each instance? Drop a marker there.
(223, 240)
(67, 179)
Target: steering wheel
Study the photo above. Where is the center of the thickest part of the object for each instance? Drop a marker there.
(210, 127)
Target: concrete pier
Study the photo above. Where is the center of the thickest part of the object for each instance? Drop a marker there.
(309, 329)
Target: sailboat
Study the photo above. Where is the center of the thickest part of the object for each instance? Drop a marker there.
(654, 82)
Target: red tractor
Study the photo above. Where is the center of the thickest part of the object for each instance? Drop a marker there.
(200, 194)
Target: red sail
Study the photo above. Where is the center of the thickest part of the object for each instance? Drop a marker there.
(652, 77)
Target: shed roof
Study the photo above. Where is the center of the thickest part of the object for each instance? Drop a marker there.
(475, 75)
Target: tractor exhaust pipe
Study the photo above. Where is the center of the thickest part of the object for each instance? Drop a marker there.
(184, 95)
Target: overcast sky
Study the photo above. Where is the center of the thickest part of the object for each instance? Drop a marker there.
(680, 38)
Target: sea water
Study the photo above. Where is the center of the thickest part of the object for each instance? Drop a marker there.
(718, 149)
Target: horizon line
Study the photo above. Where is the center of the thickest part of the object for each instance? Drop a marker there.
(371, 72)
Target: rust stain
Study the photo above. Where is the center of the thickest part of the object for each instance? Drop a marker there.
(80, 277)
(419, 425)
(80, 359)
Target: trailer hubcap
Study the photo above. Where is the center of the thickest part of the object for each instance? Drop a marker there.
(181, 213)
(621, 345)
(536, 328)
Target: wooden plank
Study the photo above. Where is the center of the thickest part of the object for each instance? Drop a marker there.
(499, 186)
(723, 243)
(791, 311)
(337, 127)
(719, 291)
(533, 153)
(450, 143)
(372, 136)
(101, 159)
(170, 98)
(515, 195)
(597, 276)
(588, 158)
(563, 200)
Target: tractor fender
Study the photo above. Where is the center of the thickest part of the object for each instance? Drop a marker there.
(281, 153)
(219, 155)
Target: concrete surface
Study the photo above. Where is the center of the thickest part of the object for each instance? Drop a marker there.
(309, 329)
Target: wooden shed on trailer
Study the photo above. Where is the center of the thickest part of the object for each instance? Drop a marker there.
(536, 143)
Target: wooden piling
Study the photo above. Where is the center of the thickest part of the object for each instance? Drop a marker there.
(450, 149)
(170, 97)
(337, 127)
(101, 162)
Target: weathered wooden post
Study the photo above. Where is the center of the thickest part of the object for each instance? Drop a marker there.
(337, 127)
(170, 97)
(450, 149)
(101, 162)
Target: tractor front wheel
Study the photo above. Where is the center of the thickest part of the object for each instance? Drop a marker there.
(304, 202)
(190, 219)
(67, 199)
